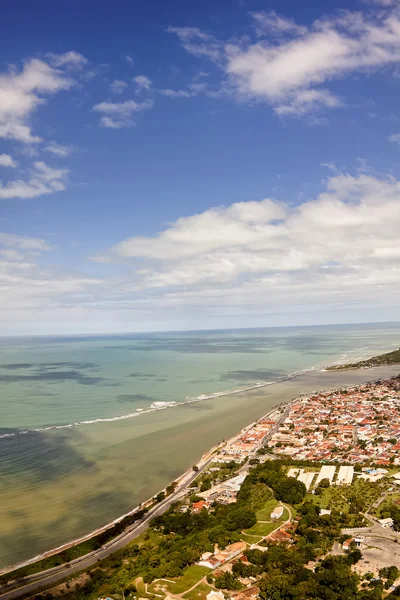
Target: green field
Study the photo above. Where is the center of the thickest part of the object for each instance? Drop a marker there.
(141, 588)
(265, 513)
(262, 529)
(199, 593)
(251, 539)
(190, 577)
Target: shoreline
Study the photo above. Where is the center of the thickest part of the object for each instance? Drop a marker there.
(164, 405)
(109, 525)
(149, 501)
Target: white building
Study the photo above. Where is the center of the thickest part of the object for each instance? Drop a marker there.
(326, 472)
(345, 475)
(307, 479)
(277, 513)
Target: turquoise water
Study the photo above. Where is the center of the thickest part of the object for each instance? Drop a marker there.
(61, 381)
(90, 426)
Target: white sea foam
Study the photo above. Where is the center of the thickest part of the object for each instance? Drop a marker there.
(155, 407)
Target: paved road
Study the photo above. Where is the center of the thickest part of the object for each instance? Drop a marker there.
(49, 578)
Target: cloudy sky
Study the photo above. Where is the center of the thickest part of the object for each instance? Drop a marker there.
(188, 165)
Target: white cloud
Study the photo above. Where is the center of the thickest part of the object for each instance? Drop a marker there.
(22, 92)
(291, 70)
(193, 89)
(335, 257)
(304, 101)
(11, 240)
(7, 161)
(71, 59)
(271, 22)
(198, 42)
(342, 243)
(130, 60)
(395, 138)
(175, 93)
(43, 180)
(118, 86)
(59, 149)
(143, 83)
(32, 293)
(117, 115)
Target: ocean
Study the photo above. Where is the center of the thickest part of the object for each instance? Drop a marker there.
(90, 426)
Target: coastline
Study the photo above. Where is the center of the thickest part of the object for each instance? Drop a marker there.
(149, 502)
(256, 388)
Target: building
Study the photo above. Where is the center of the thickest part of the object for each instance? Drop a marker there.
(326, 472)
(345, 475)
(250, 594)
(198, 506)
(307, 479)
(359, 540)
(346, 544)
(277, 513)
(386, 522)
(280, 535)
(215, 596)
(222, 556)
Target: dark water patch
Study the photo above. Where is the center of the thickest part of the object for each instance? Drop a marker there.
(57, 377)
(49, 366)
(199, 347)
(16, 366)
(126, 398)
(310, 344)
(143, 375)
(39, 455)
(253, 375)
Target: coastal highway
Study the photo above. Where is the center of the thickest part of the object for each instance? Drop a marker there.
(46, 579)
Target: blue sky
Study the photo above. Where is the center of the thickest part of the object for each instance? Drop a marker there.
(198, 164)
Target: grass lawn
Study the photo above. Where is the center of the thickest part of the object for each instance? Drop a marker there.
(191, 576)
(262, 528)
(265, 513)
(250, 539)
(141, 588)
(199, 593)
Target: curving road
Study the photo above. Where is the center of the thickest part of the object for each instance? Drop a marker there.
(49, 578)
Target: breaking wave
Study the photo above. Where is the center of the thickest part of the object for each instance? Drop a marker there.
(156, 406)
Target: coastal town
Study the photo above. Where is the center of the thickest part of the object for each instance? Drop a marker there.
(360, 424)
(326, 462)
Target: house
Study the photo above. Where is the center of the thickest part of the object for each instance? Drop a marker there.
(198, 506)
(281, 536)
(221, 557)
(212, 563)
(250, 594)
(358, 540)
(346, 544)
(386, 522)
(277, 513)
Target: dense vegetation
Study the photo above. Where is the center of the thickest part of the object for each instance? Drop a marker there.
(286, 489)
(178, 538)
(391, 358)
